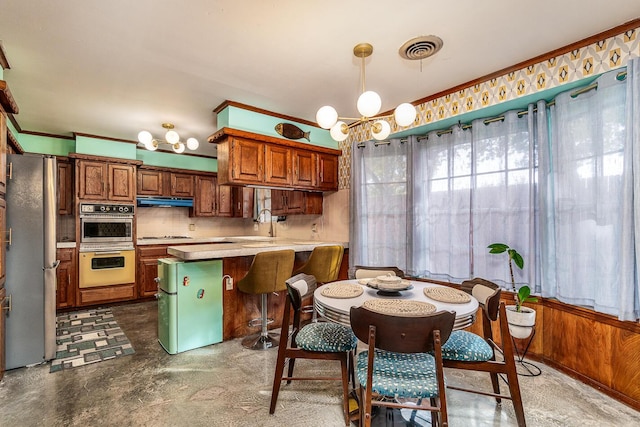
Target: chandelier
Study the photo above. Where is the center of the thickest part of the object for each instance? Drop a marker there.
(368, 105)
(171, 138)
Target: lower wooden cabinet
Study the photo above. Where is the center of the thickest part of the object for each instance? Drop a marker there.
(3, 304)
(147, 269)
(66, 276)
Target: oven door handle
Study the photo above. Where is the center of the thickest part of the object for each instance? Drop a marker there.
(107, 253)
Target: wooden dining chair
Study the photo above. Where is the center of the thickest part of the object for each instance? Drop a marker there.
(397, 363)
(368, 272)
(318, 341)
(468, 351)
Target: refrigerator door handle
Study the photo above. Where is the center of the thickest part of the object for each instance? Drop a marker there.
(8, 300)
(53, 266)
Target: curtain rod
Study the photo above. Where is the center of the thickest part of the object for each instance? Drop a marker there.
(622, 75)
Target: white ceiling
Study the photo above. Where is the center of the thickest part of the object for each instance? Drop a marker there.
(112, 68)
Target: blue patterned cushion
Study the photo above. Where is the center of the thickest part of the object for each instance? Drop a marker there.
(400, 375)
(326, 336)
(466, 346)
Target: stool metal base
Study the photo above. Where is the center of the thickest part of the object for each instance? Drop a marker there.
(261, 342)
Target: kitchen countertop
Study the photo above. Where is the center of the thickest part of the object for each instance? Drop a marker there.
(228, 247)
(65, 245)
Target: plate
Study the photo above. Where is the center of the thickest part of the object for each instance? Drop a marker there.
(402, 285)
(389, 279)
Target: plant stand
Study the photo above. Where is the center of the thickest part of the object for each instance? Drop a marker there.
(531, 369)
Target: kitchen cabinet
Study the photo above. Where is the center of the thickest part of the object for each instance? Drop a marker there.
(277, 165)
(101, 180)
(204, 204)
(147, 268)
(327, 172)
(4, 238)
(3, 307)
(285, 202)
(3, 151)
(156, 182)
(246, 158)
(305, 169)
(243, 201)
(66, 196)
(66, 276)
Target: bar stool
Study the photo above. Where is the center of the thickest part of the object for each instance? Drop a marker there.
(267, 274)
(323, 264)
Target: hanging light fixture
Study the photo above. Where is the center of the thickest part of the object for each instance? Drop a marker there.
(368, 105)
(171, 138)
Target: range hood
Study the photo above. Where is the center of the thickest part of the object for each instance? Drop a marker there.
(164, 202)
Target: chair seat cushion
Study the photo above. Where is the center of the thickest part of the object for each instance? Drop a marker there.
(327, 337)
(466, 346)
(400, 375)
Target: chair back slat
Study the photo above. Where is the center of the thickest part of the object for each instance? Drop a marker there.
(487, 293)
(401, 334)
(300, 286)
(366, 272)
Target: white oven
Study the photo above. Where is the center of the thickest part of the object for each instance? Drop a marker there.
(107, 255)
(106, 223)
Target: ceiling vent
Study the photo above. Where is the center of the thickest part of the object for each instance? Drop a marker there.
(420, 47)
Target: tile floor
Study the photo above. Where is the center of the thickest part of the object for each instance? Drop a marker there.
(226, 385)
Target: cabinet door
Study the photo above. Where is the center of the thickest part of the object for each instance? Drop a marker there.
(66, 278)
(92, 176)
(122, 185)
(204, 203)
(150, 183)
(277, 165)
(305, 170)
(181, 185)
(247, 161)
(313, 203)
(147, 269)
(65, 188)
(295, 202)
(279, 202)
(328, 172)
(224, 200)
(3, 152)
(243, 200)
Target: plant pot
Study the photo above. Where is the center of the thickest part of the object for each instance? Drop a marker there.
(521, 322)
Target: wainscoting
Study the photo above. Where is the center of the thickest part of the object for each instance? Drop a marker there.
(594, 348)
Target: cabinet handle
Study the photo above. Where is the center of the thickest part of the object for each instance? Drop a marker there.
(10, 233)
(69, 278)
(8, 300)
(10, 175)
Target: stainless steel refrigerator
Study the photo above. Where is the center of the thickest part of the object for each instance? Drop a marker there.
(31, 260)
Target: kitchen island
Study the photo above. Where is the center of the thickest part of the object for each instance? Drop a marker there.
(236, 254)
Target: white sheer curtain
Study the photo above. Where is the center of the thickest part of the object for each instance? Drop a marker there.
(441, 205)
(589, 207)
(472, 188)
(378, 226)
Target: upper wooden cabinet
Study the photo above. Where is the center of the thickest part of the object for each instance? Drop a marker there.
(286, 202)
(154, 182)
(211, 199)
(105, 179)
(246, 158)
(65, 186)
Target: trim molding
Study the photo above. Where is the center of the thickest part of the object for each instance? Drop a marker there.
(4, 62)
(228, 103)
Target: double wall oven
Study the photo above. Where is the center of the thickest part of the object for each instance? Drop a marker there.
(107, 255)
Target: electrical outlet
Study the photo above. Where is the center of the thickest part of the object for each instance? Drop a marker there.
(314, 228)
(255, 226)
(192, 227)
(228, 281)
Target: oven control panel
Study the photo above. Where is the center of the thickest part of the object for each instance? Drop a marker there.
(104, 208)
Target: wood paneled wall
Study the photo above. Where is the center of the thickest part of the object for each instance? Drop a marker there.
(594, 348)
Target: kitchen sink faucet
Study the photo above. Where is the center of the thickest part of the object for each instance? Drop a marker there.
(271, 230)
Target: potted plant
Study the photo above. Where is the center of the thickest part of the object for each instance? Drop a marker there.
(521, 319)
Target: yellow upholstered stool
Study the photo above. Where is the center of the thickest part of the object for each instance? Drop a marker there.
(323, 263)
(268, 273)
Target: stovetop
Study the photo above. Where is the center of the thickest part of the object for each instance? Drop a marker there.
(164, 237)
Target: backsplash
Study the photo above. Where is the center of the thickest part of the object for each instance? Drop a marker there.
(332, 225)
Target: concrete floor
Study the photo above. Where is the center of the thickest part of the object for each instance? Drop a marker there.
(226, 385)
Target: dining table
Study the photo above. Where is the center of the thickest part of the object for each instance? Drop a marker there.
(334, 300)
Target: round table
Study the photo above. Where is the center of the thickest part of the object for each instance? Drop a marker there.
(337, 309)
